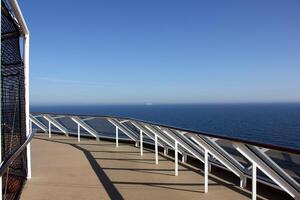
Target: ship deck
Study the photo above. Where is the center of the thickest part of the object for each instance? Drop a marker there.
(62, 168)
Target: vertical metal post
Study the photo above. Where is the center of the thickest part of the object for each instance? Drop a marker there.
(176, 158)
(156, 149)
(29, 153)
(141, 142)
(209, 167)
(243, 182)
(165, 151)
(205, 171)
(49, 129)
(30, 126)
(78, 132)
(26, 83)
(117, 137)
(183, 157)
(254, 181)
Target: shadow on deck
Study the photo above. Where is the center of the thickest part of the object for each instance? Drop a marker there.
(62, 168)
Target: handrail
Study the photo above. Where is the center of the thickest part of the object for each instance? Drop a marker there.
(233, 139)
(6, 163)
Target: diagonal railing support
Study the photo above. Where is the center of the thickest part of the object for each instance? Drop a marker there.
(86, 127)
(55, 123)
(220, 157)
(124, 129)
(39, 124)
(142, 128)
(266, 169)
(186, 144)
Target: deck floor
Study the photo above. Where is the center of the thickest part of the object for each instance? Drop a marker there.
(64, 169)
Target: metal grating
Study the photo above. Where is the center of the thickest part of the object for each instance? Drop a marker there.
(13, 127)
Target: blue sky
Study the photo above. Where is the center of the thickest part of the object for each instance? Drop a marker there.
(111, 52)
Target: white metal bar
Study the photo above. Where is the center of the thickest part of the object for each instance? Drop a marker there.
(58, 117)
(176, 158)
(217, 155)
(55, 123)
(166, 151)
(28, 152)
(141, 142)
(205, 171)
(266, 170)
(185, 144)
(49, 131)
(17, 11)
(86, 127)
(243, 182)
(36, 115)
(38, 123)
(26, 82)
(254, 181)
(147, 132)
(156, 149)
(275, 166)
(184, 158)
(124, 129)
(78, 132)
(164, 139)
(88, 118)
(117, 136)
(213, 143)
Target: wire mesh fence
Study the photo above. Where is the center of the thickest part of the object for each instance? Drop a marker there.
(13, 127)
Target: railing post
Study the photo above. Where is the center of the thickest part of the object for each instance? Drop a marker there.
(254, 181)
(78, 128)
(141, 142)
(156, 149)
(117, 136)
(28, 149)
(209, 167)
(176, 158)
(166, 151)
(49, 129)
(243, 181)
(183, 157)
(205, 171)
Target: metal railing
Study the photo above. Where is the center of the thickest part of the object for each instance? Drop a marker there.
(242, 158)
(4, 166)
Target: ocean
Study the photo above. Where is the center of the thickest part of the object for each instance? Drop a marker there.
(276, 123)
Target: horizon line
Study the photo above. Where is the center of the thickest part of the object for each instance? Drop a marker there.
(161, 103)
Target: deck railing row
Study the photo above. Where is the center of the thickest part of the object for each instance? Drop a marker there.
(275, 166)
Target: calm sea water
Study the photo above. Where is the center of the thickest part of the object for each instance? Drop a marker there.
(277, 124)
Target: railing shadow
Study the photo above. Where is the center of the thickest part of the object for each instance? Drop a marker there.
(113, 192)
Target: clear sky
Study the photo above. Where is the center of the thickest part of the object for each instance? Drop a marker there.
(163, 51)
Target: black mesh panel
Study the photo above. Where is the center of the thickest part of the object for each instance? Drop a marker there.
(13, 130)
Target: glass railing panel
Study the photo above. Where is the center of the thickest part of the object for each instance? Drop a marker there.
(288, 162)
(42, 120)
(130, 126)
(229, 148)
(104, 127)
(69, 124)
